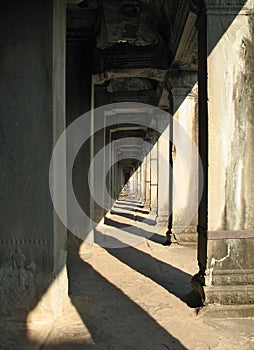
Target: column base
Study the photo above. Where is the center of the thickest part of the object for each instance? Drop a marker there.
(162, 216)
(229, 295)
(188, 234)
(228, 278)
(227, 311)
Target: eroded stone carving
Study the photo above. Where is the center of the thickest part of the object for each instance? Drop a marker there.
(133, 22)
(16, 283)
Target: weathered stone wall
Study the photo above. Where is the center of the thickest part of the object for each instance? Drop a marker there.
(32, 240)
(226, 222)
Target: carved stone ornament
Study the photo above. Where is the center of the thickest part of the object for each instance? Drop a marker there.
(16, 283)
(132, 22)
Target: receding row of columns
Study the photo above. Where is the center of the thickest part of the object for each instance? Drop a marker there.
(33, 240)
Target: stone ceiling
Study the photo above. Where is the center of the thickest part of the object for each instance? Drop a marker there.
(133, 42)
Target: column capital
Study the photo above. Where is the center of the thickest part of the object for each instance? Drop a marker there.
(180, 82)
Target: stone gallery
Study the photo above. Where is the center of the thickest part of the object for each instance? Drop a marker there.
(127, 137)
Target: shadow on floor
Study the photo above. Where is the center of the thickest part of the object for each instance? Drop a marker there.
(114, 321)
(175, 281)
(136, 231)
(130, 203)
(134, 208)
(133, 216)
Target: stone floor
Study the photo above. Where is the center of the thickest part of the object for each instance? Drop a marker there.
(131, 296)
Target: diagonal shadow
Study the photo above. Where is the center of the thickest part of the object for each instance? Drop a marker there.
(130, 203)
(216, 37)
(151, 236)
(125, 207)
(114, 321)
(133, 217)
(175, 281)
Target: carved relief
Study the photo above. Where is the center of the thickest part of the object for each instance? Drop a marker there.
(134, 22)
(16, 282)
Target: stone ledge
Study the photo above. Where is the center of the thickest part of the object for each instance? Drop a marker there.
(229, 295)
(227, 311)
(233, 277)
(187, 237)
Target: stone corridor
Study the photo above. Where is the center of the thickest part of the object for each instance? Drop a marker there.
(127, 188)
(131, 298)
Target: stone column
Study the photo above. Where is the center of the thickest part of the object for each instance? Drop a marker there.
(113, 169)
(32, 239)
(184, 94)
(131, 181)
(99, 140)
(148, 182)
(139, 183)
(226, 109)
(135, 182)
(154, 176)
(163, 175)
(79, 91)
(143, 182)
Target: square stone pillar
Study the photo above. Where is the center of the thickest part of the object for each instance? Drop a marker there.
(148, 182)
(154, 175)
(163, 175)
(143, 181)
(184, 97)
(135, 179)
(226, 109)
(33, 275)
(139, 183)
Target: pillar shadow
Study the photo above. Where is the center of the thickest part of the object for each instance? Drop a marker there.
(114, 321)
(133, 217)
(130, 203)
(13, 341)
(175, 281)
(151, 236)
(125, 207)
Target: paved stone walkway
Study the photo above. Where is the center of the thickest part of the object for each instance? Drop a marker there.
(132, 297)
